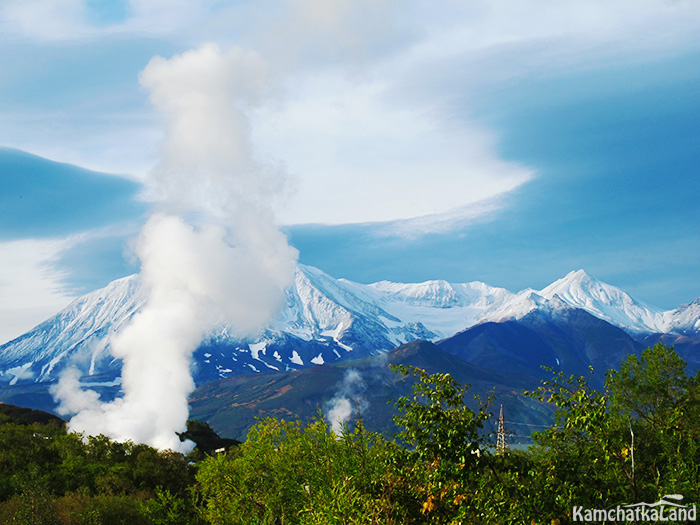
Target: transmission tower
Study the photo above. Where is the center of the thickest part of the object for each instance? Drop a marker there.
(501, 446)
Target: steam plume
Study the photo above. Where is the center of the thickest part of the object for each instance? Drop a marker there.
(346, 401)
(233, 266)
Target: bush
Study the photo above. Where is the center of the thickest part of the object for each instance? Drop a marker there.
(289, 473)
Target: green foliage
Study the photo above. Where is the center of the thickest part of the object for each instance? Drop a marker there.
(446, 446)
(662, 405)
(288, 473)
(170, 509)
(654, 389)
(112, 510)
(50, 476)
(637, 440)
(634, 442)
(437, 423)
(26, 457)
(34, 506)
(583, 458)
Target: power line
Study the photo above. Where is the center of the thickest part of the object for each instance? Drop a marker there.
(530, 424)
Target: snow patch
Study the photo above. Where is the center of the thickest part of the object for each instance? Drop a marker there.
(256, 348)
(20, 372)
(336, 333)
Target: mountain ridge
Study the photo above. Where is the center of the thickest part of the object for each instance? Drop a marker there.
(326, 320)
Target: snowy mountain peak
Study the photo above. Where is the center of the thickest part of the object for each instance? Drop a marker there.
(441, 294)
(684, 319)
(578, 284)
(580, 290)
(515, 307)
(579, 275)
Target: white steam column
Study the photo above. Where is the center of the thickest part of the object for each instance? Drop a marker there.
(231, 263)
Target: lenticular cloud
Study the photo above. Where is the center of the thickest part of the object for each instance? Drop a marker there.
(231, 264)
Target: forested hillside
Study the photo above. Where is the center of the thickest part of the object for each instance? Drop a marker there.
(634, 441)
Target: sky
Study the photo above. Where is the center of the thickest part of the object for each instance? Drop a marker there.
(505, 142)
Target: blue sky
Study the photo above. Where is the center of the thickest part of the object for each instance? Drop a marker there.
(616, 192)
(503, 142)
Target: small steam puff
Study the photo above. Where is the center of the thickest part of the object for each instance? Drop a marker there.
(234, 267)
(347, 401)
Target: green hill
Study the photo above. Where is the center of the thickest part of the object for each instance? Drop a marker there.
(26, 416)
(231, 406)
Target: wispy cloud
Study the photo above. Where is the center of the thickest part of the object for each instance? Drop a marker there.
(30, 288)
(374, 114)
(360, 157)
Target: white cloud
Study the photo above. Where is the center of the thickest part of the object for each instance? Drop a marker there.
(361, 158)
(30, 291)
(44, 19)
(372, 112)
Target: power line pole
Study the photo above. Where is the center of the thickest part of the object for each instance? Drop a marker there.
(501, 446)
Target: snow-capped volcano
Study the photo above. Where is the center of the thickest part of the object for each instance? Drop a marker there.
(325, 319)
(79, 332)
(580, 290)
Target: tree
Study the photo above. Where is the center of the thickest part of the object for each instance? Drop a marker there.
(654, 388)
(636, 441)
(206, 440)
(447, 448)
(436, 421)
(662, 407)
